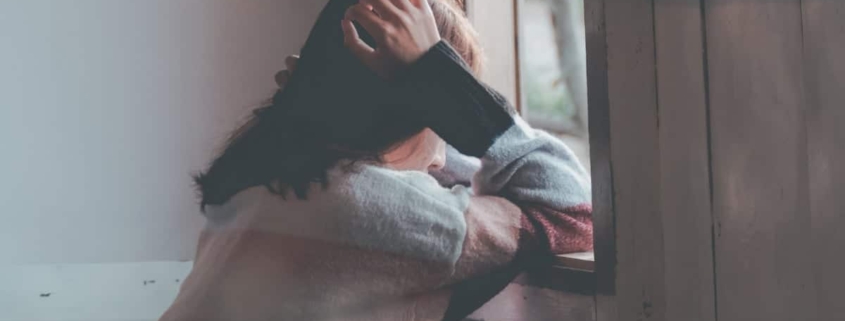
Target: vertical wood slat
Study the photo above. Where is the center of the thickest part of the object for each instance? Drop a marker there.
(684, 163)
(604, 222)
(824, 76)
(649, 136)
(759, 160)
(600, 160)
(635, 166)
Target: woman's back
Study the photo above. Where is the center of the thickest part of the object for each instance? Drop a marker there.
(350, 249)
(318, 259)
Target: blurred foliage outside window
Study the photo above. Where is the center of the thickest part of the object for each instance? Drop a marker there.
(554, 72)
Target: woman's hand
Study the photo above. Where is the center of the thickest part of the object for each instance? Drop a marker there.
(283, 76)
(404, 30)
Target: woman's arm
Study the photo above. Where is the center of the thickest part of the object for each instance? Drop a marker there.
(531, 196)
(525, 174)
(529, 168)
(529, 182)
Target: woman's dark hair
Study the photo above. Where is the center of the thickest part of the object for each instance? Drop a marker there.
(333, 108)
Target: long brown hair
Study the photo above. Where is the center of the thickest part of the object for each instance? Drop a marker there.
(332, 109)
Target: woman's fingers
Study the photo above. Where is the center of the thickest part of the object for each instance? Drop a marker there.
(282, 78)
(354, 42)
(290, 62)
(403, 5)
(384, 8)
(400, 40)
(368, 19)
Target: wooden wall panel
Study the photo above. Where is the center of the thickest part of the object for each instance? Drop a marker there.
(738, 123)
(604, 223)
(824, 76)
(635, 165)
(759, 160)
(684, 164)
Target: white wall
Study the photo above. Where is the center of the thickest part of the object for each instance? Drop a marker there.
(108, 106)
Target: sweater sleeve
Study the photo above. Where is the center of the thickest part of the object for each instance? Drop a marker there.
(445, 95)
(531, 197)
(527, 168)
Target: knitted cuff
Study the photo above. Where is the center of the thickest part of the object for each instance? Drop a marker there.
(463, 111)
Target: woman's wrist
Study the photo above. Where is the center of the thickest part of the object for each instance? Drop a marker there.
(463, 111)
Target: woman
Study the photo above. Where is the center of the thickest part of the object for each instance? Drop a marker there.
(320, 208)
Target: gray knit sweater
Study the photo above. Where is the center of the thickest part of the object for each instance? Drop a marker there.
(381, 244)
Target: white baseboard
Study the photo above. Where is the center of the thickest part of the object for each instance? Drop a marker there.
(89, 292)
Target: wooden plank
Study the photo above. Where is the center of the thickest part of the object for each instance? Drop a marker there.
(561, 279)
(824, 74)
(604, 224)
(585, 261)
(635, 161)
(684, 161)
(759, 160)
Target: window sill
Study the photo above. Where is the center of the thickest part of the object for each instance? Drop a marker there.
(585, 261)
(571, 273)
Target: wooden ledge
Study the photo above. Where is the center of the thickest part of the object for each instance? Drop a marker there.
(585, 261)
(572, 273)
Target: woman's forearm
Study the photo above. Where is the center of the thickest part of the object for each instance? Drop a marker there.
(528, 167)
